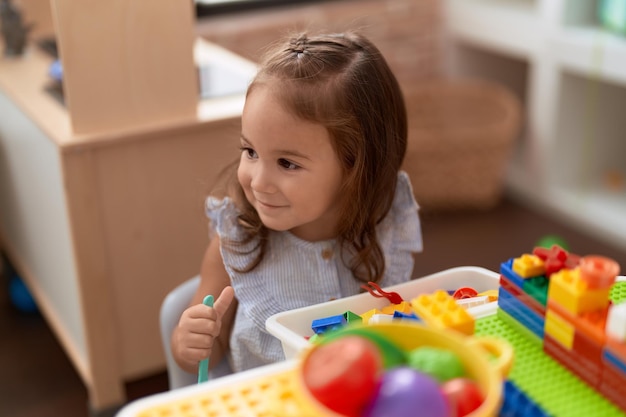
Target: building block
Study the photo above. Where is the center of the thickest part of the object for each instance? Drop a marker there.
(537, 288)
(598, 271)
(590, 374)
(352, 317)
(613, 386)
(588, 350)
(521, 312)
(404, 307)
(618, 349)
(568, 290)
(591, 324)
(613, 393)
(522, 296)
(473, 302)
(320, 326)
(368, 314)
(559, 329)
(517, 404)
(506, 270)
(380, 318)
(616, 322)
(492, 294)
(398, 315)
(441, 310)
(610, 359)
(575, 319)
(556, 258)
(528, 266)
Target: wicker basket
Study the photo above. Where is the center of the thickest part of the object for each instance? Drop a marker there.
(461, 135)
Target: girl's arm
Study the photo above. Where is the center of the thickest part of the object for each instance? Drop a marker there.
(204, 331)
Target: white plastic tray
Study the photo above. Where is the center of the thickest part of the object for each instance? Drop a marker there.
(291, 327)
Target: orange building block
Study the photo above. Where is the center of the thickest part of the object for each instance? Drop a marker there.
(598, 271)
(573, 294)
(528, 266)
(591, 324)
(440, 309)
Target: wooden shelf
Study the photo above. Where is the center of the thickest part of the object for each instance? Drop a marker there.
(574, 87)
(103, 213)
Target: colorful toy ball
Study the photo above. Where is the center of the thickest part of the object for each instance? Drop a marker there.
(441, 364)
(406, 392)
(463, 395)
(343, 374)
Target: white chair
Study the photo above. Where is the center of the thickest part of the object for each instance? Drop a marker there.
(175, 302)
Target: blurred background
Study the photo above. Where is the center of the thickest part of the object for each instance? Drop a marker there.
(117, 116)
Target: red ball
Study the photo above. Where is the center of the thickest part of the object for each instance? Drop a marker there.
(343, 374)
(463, 395)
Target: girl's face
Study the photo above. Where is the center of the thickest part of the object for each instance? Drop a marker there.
(289, 170)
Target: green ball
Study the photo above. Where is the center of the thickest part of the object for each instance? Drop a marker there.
(548, 241)
(441, 364)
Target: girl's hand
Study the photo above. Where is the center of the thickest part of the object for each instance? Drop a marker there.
(198, 328)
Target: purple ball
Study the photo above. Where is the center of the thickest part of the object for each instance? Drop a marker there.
(404, 391)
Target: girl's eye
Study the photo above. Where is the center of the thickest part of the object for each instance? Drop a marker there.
(250, 153)
(287, 164)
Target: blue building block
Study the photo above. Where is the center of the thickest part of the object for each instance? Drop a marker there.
(521, 312)
(506, 269)
(404, 316)
(325, 324)
(517, 404)
(617, 363)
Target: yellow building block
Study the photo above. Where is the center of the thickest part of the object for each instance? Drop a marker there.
(403, 307)
(491, 294)
(560, 329)
(440, 309)
(368, 315)
(573, 294)
(528, 266)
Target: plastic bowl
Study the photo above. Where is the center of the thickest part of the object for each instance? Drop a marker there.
(487, 360)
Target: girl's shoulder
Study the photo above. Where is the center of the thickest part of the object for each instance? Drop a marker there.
(404, 198)
(224, 215)
(401, 229)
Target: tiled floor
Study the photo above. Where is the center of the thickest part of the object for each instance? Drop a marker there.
(38, 380)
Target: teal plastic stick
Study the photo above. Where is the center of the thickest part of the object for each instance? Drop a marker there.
(203, 367)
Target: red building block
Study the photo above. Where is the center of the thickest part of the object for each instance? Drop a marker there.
(613, 386)
(590, 324)
(556, 258)
(587, 371)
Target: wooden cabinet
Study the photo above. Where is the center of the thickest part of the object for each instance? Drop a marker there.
(101, 203)
(571, 74)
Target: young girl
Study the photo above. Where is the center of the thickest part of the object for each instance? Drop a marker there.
(319, 205)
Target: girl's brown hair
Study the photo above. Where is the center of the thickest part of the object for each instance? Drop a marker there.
(342, 82)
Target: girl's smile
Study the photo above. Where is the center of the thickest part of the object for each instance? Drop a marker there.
(288, 170)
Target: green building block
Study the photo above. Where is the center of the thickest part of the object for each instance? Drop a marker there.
(537, 288)
(352, 318)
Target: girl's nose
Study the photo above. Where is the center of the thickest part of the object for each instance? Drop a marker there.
(262, 181)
